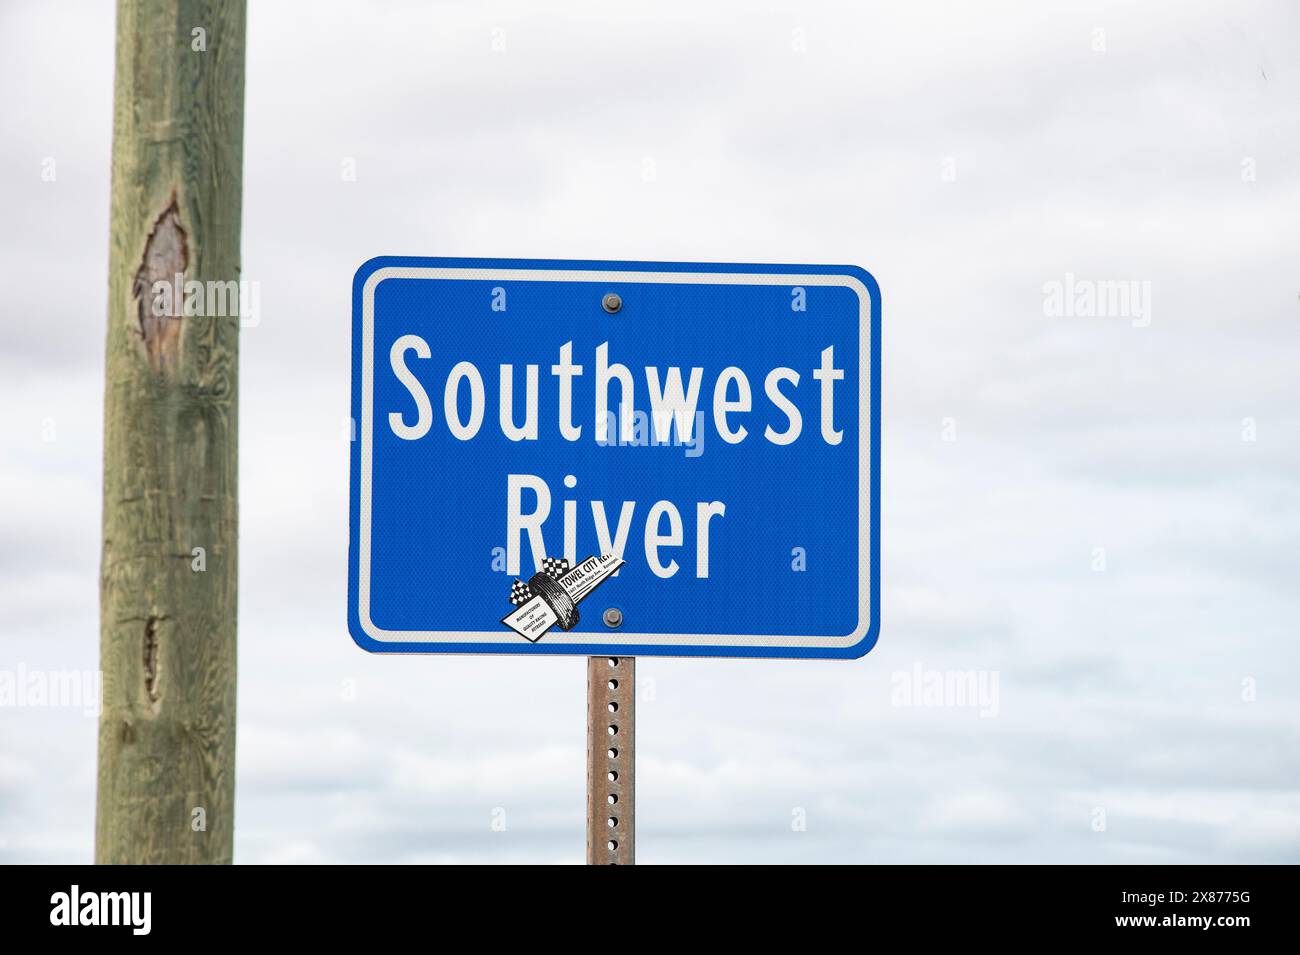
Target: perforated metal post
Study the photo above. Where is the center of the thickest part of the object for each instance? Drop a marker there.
(611, 760)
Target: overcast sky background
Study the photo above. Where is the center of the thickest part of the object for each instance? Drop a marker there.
(1120, 690)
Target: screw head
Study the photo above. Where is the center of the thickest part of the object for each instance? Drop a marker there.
(611, 302)
(613, 618)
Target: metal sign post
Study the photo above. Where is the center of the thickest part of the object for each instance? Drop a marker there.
(611, 760)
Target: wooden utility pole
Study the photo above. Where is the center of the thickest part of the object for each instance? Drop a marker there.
(167, 579)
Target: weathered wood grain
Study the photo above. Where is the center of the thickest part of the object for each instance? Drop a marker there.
(167, 630)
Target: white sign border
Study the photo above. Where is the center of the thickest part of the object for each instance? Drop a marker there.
(618, 641)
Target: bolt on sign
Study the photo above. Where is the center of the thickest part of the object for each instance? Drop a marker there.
(614, 458)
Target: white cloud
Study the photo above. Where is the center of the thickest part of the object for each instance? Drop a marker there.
(1120, 688)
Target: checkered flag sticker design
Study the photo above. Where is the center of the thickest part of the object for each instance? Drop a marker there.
(520, 593)
(555, 567)
(551, 596)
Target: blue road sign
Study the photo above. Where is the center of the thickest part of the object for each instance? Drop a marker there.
(624, 458)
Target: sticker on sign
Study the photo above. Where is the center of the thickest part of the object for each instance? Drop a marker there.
(707, 434)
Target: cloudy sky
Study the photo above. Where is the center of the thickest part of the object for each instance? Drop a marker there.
(1101, 512)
